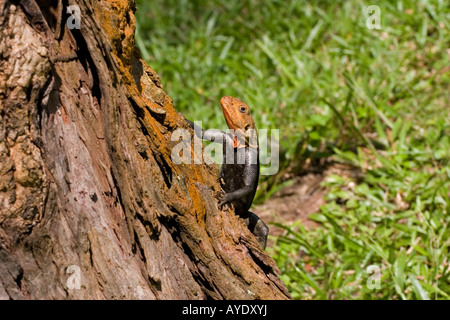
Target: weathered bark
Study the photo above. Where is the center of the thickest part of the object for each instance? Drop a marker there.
(86, 176)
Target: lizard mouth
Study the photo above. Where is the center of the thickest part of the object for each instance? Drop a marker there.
(227, 109)
(225, 102)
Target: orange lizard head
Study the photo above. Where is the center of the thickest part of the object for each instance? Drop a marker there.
(238, 117)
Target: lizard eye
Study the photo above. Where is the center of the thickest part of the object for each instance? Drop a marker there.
(242, 109)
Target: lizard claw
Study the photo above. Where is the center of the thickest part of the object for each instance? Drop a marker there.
(224, 200)
(223, 205)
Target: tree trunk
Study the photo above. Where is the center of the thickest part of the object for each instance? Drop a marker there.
(91, 204)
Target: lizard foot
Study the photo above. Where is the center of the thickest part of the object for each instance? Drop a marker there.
(225, 199)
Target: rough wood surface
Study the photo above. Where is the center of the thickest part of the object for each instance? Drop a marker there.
(86, 176)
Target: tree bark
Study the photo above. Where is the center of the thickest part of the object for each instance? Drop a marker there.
(87, 184)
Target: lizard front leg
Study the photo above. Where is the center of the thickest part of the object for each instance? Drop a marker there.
(213, 135)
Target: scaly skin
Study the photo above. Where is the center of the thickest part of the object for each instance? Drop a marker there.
(240, 175)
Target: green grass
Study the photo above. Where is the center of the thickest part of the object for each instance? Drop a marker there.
(377, 99)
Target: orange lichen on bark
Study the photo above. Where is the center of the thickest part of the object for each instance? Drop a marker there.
(117, 19)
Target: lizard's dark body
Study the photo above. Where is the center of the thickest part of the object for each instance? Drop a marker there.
(240, 184)
(241, 179)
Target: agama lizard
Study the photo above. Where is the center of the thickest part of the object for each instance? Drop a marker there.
(240, 170)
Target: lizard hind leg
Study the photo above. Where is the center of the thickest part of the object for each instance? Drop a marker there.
(258, 228)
